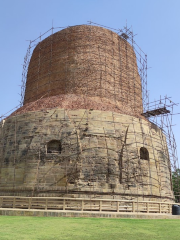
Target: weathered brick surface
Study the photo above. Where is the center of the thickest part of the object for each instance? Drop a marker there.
(73, 102)
(85, 60)
(99, 157)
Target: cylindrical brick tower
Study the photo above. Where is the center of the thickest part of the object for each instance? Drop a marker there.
(86, 61)
(80, 132)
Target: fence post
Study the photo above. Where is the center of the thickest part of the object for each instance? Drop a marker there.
(63, 204)
(133, 207)
(82, 205)
(46, 204)
(29, 205)
(169, 208)
(117, 206)
(100, 205)
(14, 200)
(1, 201)
(147, 206)
(159, 207)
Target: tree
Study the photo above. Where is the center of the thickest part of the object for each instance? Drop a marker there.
(176, 184)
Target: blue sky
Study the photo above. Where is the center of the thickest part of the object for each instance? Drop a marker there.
(156, 23)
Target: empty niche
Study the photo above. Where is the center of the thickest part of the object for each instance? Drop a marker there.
(144, 154)
(54, 146)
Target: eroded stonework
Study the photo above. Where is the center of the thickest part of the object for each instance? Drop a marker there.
(99, 156)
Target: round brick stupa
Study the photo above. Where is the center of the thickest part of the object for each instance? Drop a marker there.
(80, 132)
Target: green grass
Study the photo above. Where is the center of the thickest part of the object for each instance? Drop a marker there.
(52, 228)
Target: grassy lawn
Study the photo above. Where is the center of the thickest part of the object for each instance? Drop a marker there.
(48, 228)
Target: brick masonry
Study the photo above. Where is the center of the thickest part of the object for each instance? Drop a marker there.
(88, 61)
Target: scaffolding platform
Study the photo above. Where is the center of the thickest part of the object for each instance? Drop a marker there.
(155, 112)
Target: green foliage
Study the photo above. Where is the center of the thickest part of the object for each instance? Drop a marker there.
(176, 184)
(49, 228)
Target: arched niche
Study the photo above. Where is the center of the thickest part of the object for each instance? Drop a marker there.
(144, 154)
(54, 146)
